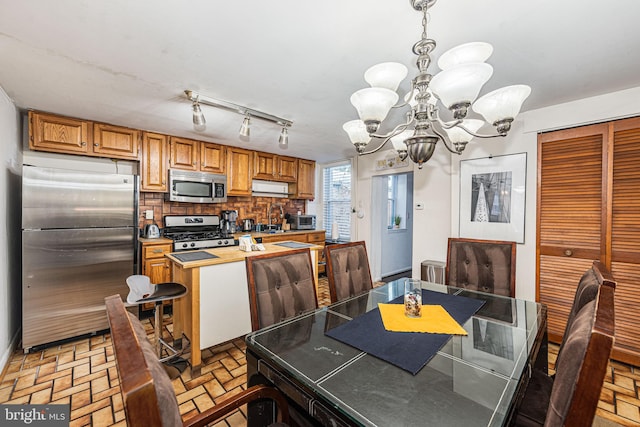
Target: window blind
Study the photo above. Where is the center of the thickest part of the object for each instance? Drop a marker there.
(337, 199)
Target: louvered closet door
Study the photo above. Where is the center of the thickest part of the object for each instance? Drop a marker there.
(570, 215)
(625, 237)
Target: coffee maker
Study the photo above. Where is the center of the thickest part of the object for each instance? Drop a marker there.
(228, 224)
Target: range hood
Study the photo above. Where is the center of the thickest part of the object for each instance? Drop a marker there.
(269, 188)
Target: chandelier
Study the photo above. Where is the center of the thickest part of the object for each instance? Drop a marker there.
(455, 88)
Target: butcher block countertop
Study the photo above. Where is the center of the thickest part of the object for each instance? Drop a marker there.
(234, 254)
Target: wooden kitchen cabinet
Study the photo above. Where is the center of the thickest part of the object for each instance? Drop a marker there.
(154, 163)
(272, 167)
(58, 134)
(48, 132)
(305, 186)
(239, 171)
(212, 157)
(184, 154)
(264, 165)
(192, 155)
(287, 169)
(316, 237)
(115, 141)
(155, 265)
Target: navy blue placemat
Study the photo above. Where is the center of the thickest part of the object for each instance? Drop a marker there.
(407, 350)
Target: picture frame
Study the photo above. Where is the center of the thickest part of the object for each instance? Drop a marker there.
(492, 197)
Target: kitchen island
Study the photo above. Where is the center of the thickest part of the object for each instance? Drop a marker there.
(216, 308)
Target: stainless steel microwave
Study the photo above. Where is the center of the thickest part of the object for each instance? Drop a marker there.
(197, 187)
(302, 222)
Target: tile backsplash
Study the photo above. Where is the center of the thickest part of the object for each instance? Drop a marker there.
(255, 208)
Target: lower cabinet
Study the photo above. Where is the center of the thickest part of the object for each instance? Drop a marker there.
(155, 265)
(314, 237)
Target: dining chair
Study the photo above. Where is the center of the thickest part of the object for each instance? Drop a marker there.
(482, 265)
(148, 395)
(348, 270)
(587, 290)
(570, 397)
(281, 285)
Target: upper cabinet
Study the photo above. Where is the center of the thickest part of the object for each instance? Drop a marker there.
(272, 167)
(188, 154)
(154, 163)
(115, 141)
(49, 132)
(305, 188)
(157, 153)
(239, 171)
(287, 169)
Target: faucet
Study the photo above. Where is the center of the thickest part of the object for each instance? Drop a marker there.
(271, 207)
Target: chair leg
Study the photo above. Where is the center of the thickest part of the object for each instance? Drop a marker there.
(158, 329)
(161, 343)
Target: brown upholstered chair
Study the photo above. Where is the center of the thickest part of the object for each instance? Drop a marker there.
(281, 285)
(148, 396)
(587, 291)
(482, 265)
(348, 270)
(570, 397)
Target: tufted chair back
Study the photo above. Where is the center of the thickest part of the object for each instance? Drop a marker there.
(281, 285)
(347, 270)
(587, 291)
(482, 265)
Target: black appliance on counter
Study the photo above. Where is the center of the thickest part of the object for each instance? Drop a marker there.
(190, 232)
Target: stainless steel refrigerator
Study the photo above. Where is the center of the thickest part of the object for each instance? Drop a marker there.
(79, 237)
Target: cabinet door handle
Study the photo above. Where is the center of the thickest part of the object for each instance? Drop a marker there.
(82, 144)
(568, 252)
(157, 251)
(95, 144)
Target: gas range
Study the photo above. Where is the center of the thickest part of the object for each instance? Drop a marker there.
(190, 232)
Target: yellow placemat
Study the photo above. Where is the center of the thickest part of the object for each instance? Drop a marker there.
(435, 320)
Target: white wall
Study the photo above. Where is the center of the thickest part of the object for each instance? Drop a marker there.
(10, 270)
(523, 138)
(437, 185)
(431, 188)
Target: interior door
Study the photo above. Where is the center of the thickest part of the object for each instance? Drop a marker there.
(571, 166)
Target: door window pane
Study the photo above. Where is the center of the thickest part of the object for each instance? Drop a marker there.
(337, 199)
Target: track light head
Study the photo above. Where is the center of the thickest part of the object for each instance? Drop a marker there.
(283, 140)
(199, 122)
(245, 128)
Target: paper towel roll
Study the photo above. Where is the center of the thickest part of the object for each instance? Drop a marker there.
(335, 234)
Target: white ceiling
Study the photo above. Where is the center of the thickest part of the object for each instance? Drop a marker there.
(129, 62)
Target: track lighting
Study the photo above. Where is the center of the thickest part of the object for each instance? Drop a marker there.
(244, 129)
(199, 122)
(283, 140)
(248, 113)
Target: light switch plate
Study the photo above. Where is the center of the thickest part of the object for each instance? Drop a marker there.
(149, 214)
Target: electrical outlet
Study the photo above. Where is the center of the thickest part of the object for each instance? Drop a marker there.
(149, 214)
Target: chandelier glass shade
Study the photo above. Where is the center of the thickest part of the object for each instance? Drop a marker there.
(454, 89)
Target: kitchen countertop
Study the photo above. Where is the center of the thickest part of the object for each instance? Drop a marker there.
(266, 233)
(156, 240)
(233, 254)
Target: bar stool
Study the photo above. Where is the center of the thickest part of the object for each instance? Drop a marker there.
(141, 291)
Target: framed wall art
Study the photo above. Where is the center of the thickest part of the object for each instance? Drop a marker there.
(492, 197)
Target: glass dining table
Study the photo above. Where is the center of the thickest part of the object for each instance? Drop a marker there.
(472, 380)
